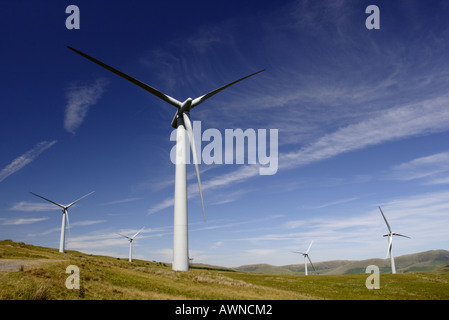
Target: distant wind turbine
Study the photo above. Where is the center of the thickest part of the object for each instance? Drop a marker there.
(65, 216)
(131, 241)
(306, 256)
(390, 235)
(181, 122)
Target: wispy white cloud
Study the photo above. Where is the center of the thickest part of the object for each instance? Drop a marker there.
(44, 233)
(163, 205)
(79, 99)
(236, 176)
(333, 203)
(223, 180)
(294, 224)
(20, 221)
(439, 180)
(215, 226)
(222, 224)
(121, 201)
(21, 161)
(402, 122)
(217, 244)
(33, 206)
(86, 223)
(428, 168)
(99, 241)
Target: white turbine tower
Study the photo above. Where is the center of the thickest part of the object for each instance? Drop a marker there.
(181, 122)
(131, 242)
(306, 256)
(390, 235)
(65, 216)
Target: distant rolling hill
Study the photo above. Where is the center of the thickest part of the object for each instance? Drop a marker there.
(422, 261)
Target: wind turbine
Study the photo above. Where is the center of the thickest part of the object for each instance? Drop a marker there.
(390, 235)
(181, 122)
(306, 256)
(65, 216)
(131, 239)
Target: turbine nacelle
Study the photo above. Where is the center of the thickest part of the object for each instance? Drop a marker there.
(395, 234)
(185, 107)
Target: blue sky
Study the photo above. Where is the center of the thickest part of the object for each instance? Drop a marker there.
(362, 116)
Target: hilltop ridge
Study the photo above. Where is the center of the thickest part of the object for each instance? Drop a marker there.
(421, 261)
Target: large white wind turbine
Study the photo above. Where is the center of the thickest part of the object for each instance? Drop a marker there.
(181, 121)
(131, 241)
(390, 235)
(306, 256)
(65, 216)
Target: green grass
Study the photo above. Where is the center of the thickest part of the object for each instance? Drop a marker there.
(42, 277)
(423, 286)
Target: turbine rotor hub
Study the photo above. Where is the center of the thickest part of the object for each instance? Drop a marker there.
(185, 108)
(186, 105)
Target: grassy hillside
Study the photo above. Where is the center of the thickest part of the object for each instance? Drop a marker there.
(423, 261)
(31, 272)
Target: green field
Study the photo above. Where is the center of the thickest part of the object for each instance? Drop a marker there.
(37, 273)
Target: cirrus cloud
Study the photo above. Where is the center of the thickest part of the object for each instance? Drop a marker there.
(79, 99)
(21, 161)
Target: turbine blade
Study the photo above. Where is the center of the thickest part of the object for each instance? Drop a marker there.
(388, 226)
(401, 235)
(390, 244)
(144, 86)
(68, 206)
(124, 236)
(189, 130)
(67, 219)
(174, 122)
(59, 205)
(309, 247)
(203, 98)
(311, 262)
(137, 233)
